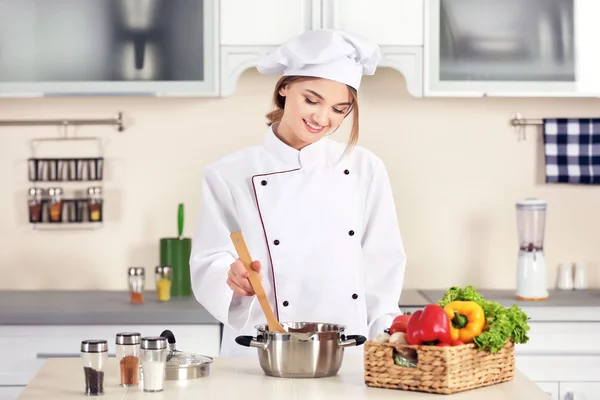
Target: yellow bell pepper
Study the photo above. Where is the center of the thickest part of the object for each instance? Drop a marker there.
(467, 320)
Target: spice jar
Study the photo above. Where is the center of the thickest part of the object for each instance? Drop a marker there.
(35, 204)
(56, 204)
(127, 350)
(94, 355)
(154, 362)
(164, 277)
(95, 204)
(137, 280)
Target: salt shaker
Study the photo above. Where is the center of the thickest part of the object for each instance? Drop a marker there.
(128, 355)
(154, 362)
(580, 281)
(565, 276)
(94, 355)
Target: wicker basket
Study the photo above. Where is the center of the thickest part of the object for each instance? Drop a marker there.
(443, 370)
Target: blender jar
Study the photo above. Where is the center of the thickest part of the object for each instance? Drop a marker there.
(128, 356)
(94, 355)
(531, 223)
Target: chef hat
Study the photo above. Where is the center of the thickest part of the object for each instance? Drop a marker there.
(324, 53)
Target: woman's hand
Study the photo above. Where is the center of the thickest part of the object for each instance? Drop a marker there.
(237, 278)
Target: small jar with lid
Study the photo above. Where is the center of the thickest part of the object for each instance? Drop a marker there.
(55, 205)
(95, 204)
(94, 356)
(164, 278)
(35, 204)
(137, 280)
(127, 351)
(154, 362)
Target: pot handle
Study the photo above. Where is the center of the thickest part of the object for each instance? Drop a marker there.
(249, 341)
(353, 340)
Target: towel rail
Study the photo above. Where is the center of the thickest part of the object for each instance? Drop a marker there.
(518, 121)
(118, 122)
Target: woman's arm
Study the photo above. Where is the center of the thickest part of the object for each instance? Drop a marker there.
(213, 253)
(384, 258)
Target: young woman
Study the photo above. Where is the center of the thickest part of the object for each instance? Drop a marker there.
(318, 216)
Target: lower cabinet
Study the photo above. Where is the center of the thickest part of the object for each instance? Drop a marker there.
(25, 348)
(551, 388)
(579, 390)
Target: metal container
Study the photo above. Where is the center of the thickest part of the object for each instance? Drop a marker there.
(306, 350)
(182, 365)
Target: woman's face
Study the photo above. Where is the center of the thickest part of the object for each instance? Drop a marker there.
(313, 109)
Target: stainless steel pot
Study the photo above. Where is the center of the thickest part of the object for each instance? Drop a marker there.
(306, 350)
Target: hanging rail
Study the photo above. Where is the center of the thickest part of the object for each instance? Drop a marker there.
(517, 120)
(118, 122)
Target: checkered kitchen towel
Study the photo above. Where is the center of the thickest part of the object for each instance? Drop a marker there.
(572, 150)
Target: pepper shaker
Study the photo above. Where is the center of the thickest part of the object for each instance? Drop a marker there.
(94, 356)
(137, 279)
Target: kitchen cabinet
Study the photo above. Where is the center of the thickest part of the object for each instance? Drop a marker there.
(25, 348)
(579, 390)
(537, 48)
(121, 47)
(248, 31)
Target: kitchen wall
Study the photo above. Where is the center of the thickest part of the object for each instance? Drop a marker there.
(456, 165)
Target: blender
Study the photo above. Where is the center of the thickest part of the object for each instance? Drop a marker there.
(531, 264)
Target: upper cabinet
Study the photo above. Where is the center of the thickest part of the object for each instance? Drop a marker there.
(108, 47)
(251, 29)
(506, 48)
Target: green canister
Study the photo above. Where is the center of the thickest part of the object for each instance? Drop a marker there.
(175, 252)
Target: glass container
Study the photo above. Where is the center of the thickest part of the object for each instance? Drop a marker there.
(137, 280)
(128, 355)
(35, 204)
(95, 204)
(164, 279)
(55, 206)
(94, 356)
(154, 361)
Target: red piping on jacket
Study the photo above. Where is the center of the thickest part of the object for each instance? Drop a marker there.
(266, 238)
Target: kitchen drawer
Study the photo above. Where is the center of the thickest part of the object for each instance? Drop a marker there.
(579, 390)
(541, 368)
(562, 338)
(24, 349)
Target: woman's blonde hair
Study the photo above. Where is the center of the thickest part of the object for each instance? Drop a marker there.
(279, 104)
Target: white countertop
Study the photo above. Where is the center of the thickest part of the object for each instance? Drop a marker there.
(232, 378)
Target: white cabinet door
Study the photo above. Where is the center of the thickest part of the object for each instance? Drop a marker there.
(266, 22)
(500, 48)
(579, 390)
(386, 22)
(587, 31)
(11, 392)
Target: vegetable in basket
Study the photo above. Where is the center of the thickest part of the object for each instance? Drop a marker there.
(467, 320)
(429, 326)
(501, 324)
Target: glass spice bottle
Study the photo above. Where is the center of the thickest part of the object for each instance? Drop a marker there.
(128, 355)
(94, 356)
(95, 204)
(137, 280)
(164, 277)
(153, 352)
(35, 204)
(55, 206)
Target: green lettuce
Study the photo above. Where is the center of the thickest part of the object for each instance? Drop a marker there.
(502, 324)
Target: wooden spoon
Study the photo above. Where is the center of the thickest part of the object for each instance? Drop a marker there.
(244, 255)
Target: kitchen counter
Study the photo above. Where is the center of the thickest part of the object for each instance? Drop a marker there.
(113, 308)
(63, 379)
(561, 306)
(97, 308)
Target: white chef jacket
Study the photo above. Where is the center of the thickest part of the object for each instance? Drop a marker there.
(322, 224)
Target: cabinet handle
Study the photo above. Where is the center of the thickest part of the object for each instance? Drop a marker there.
(570, 396)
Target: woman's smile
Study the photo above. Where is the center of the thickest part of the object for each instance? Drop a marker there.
(313, 127)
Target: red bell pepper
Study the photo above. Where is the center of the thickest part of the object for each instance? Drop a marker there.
(429, 326)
